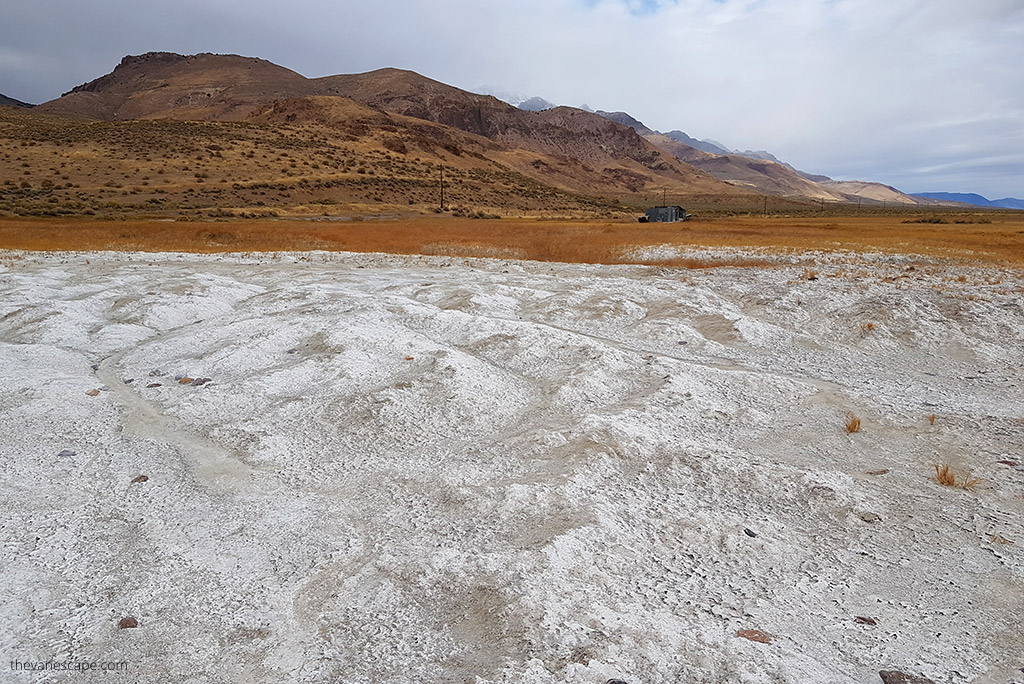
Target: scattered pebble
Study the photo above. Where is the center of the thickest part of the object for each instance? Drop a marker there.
(155, 373)
(198, 382)
(185, 380)
(140, 478)
(293, 350)
(1009, 463)
(93, 392)
(897, 677)
(154, 384)
(129, 381)
(104, 388)
(95, 366)
(616, 681)
(754, 635)
(127, 623)
(869, 517)
(749, 532)
(179, 376)
(865, 620)
(409, 358)
(66, 453)
(883, 471)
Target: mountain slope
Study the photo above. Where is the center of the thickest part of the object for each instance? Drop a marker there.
(11, 102)
(560, 144)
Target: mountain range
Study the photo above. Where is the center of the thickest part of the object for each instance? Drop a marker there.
(973, 199)
(609, 155)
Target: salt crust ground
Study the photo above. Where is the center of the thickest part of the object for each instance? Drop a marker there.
(412, 469)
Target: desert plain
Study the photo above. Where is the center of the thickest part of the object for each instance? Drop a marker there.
(289, 456)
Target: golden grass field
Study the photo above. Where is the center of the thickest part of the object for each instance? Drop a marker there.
(994, 239)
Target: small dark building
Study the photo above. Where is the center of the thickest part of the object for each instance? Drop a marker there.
(665, 214)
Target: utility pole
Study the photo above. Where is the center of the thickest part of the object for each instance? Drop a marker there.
(442, 187)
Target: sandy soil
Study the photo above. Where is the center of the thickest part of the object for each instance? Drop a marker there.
(410, 469)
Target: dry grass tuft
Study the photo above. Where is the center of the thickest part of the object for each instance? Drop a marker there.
(931, 419)
(867, 327)
(947, 478)
(810, 274)
(852, 423)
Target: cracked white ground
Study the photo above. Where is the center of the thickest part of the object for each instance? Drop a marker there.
(414, 469)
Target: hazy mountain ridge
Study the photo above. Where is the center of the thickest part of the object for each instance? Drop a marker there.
(535, 104)
(973, 199)
(11, 102)
(760, 170)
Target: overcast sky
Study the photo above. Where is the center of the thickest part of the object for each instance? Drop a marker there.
(926, 95)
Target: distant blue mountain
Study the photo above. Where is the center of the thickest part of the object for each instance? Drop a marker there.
(973, 199)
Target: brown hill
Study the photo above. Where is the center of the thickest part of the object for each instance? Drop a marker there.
(563, 132)
(565, 147)
(165, 85)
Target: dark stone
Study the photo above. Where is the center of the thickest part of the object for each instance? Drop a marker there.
(66, 453)
(127, 623)
(154, 384)
(129, 381)
(749, 533)
(140, 478)
(883, 471)
(618, 681)
(95, 366)
(869, 517)
(198, 382)
(897, 677)
(865, 620)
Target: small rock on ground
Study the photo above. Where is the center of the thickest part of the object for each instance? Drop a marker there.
(127, 623)
(897, 677)
(93, 392)
(754, 635)
(140, 478)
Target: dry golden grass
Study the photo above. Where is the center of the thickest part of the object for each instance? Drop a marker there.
(931, 419)
(946, 477)
(867, 327)
(579, 241)
(852, 423)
